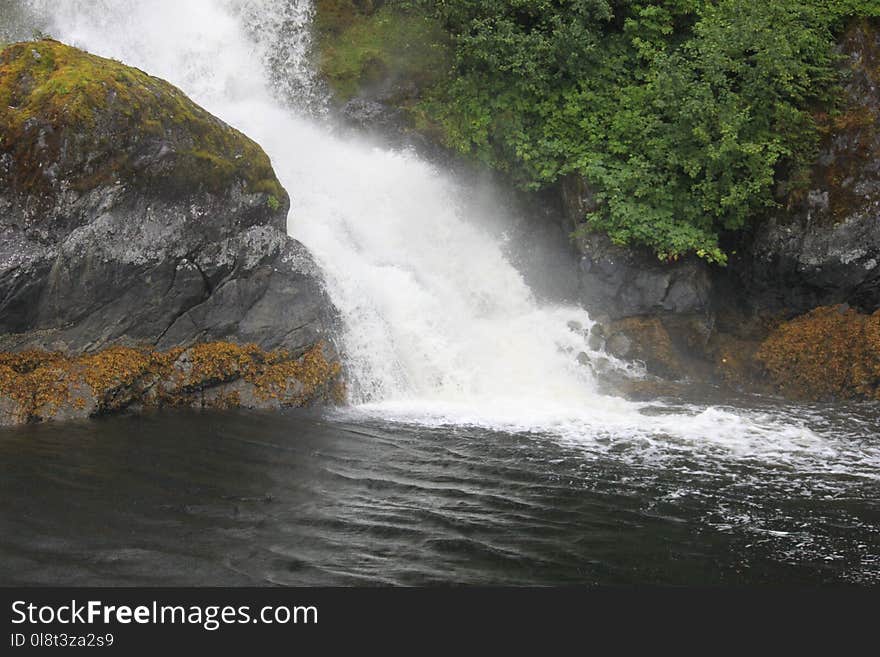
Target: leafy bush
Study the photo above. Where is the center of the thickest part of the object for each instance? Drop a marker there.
(682, 114)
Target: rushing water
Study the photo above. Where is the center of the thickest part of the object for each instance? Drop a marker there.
(476, 449)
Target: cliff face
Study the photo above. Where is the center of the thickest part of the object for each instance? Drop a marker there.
(825, 247)
(131, 217)
(769, 319)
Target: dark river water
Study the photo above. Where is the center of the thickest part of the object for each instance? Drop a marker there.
(302, 499)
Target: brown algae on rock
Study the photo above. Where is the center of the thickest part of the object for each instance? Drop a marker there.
(832, 352)
(39, 385)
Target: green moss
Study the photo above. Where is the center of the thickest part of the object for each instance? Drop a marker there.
(93, 117)
(360, 47)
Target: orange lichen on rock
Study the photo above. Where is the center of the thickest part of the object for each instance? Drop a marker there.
(36, 386)
(27, 361)
(274, 375)
(33, 379)
(117, 367)
(215, 362)
(832, 352)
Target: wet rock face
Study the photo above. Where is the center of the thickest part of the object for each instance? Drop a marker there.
(128, 215)
(796, 266)
(658, 313)
(825, 248)
(372, 115)
(623, 282)
(620, 282)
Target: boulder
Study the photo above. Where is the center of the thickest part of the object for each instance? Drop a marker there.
(132, 218)
(130, 215)
(624, 282)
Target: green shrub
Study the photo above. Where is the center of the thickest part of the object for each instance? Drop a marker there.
(683, 115)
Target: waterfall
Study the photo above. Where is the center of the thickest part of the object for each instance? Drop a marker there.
(432, 309)
(439, 327)
(282, 32)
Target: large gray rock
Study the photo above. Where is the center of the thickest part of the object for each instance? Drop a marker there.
(168, 274)
(148, 222)
(625, 282)
(803, 263)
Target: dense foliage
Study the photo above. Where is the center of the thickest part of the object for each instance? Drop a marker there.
(683, 115)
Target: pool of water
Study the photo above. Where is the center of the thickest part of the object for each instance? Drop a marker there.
(353, 498)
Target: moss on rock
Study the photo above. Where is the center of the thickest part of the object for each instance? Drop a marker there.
(67, 115)
(851, 136)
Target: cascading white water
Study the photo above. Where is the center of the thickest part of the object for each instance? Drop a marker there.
(438, 326)
(432, 309)
(282, 31)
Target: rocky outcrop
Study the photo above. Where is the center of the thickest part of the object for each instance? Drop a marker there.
(658, 313)
(825, 247)
(623, 282)
(688, 319)
(131, 217)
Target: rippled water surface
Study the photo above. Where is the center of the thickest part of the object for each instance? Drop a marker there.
(299, 499)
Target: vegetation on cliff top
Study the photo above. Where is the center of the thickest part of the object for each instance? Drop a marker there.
(688, 118)
(88, 121)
